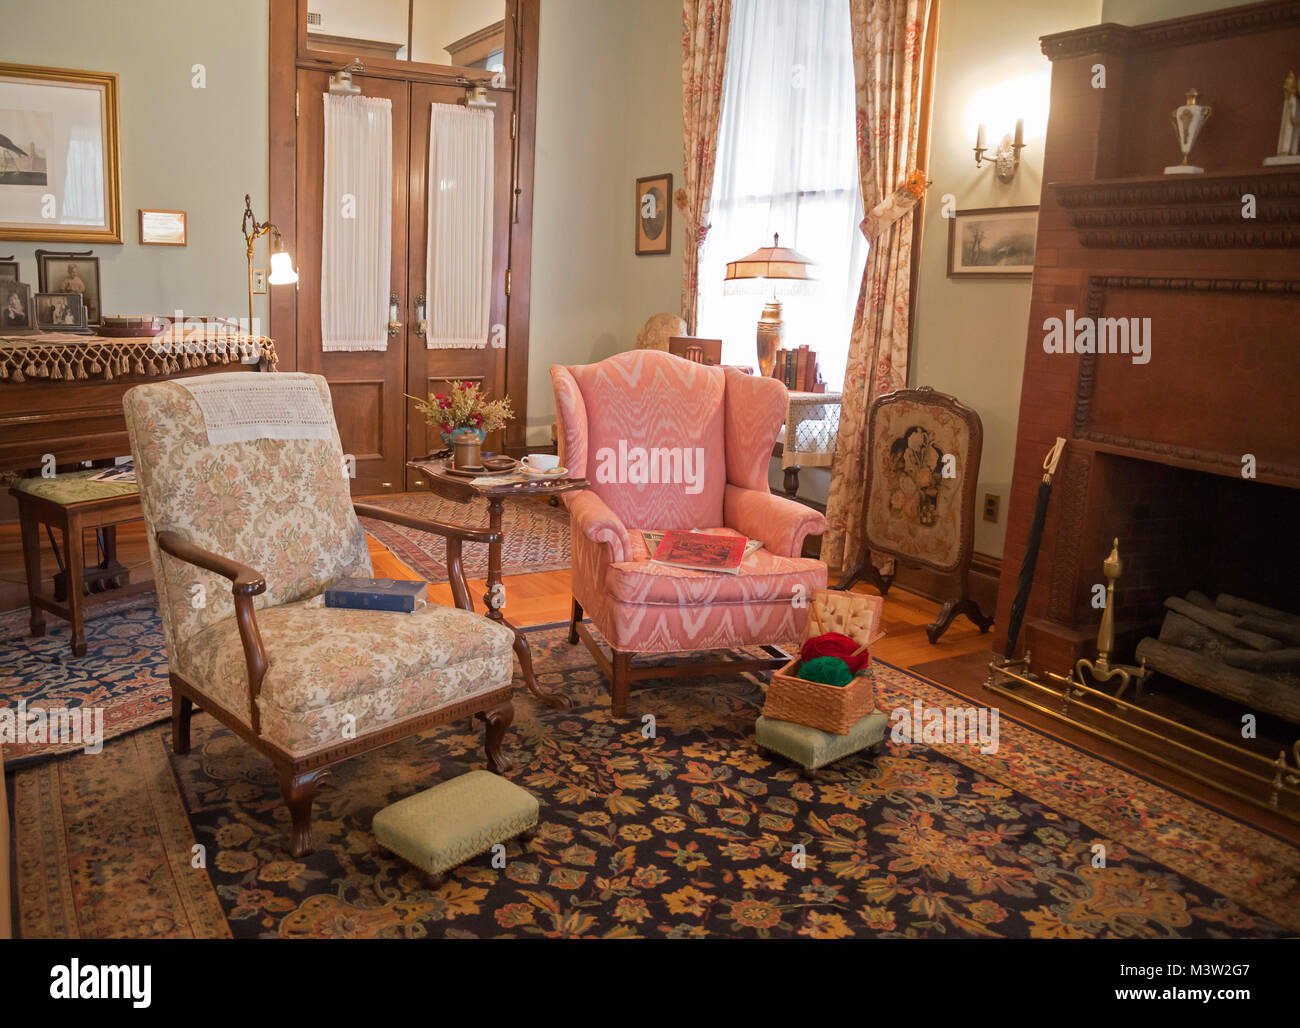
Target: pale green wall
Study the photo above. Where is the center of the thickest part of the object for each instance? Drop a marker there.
(609, 105)
(1139, 12)
(969, 338)
(198, 150)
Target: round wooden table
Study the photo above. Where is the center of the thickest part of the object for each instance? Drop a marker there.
(443, 482)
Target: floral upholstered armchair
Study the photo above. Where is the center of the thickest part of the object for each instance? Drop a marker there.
(245, 534)
(704, 436)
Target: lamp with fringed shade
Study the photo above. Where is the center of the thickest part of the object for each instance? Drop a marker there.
(774, 269)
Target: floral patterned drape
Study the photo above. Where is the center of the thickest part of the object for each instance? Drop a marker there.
(889, 43)
(704, 59)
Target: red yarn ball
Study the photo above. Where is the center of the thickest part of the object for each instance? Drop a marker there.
(836, 644)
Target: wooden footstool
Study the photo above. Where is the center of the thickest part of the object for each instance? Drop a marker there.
(814, 749)
(71, 504)
(455, 821)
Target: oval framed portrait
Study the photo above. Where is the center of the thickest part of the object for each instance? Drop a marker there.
(654, 214)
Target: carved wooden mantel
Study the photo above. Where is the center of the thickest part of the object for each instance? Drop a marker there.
(1156, 448)
(1255, 208)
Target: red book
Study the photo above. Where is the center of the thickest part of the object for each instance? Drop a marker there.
(699, 551)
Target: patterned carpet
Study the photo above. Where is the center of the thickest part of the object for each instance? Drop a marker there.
(689, 833)
(536, 535)
(124, 671)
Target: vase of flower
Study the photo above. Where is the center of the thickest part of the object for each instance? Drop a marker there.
(463, 406)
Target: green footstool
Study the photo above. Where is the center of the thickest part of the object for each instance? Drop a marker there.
(455, 821)
(813, 748)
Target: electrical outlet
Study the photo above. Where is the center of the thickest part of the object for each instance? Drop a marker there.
(259, 280)
(991, 501)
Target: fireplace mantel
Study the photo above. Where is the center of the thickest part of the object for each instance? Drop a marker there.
(1194, 212)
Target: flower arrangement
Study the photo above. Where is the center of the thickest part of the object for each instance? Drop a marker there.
(463, 405)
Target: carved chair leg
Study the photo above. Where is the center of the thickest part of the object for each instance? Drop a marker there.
(299, 793)
(618, 687)
(182, 710)
(496, 721)
(575, 619)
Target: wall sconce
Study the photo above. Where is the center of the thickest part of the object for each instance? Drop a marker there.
(282, 269)
(341, 83)
(1006, 158)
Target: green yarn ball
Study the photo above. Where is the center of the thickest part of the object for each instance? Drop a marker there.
(827, 670)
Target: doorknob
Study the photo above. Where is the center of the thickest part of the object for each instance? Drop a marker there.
(394, 326)
(421, 324)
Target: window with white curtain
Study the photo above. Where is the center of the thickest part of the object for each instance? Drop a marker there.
(787, 163)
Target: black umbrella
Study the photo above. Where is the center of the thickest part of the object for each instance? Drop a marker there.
(1025, 581)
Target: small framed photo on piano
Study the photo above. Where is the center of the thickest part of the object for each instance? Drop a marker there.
(60, 312)
(17, 315)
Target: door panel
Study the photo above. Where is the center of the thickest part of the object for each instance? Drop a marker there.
(367, 387)
(429, 371)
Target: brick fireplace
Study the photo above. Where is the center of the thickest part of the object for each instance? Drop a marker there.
(1155, 451)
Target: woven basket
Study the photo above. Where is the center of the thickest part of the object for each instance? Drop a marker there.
(829, 708)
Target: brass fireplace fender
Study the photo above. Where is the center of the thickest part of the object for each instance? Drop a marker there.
(1271, 784)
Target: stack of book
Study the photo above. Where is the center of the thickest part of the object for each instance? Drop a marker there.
(797, 368)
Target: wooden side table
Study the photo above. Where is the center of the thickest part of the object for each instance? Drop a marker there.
(71, 504)
(461, 489)
(812, 422)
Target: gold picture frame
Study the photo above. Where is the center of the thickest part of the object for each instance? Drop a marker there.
(41, 106)
(162, 227)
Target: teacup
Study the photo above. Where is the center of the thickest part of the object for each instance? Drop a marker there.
(542, 461)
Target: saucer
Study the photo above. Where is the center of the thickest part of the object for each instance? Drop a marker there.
(555, 472)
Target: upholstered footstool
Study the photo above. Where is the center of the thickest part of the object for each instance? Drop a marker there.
(814, 749)
(455, 821)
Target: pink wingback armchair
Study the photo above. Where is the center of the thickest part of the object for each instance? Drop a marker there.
(667, 443)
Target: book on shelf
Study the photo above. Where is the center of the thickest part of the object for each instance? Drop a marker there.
(394, 594)
(700, 551)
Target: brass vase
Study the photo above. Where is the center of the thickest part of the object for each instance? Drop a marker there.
(769, 336)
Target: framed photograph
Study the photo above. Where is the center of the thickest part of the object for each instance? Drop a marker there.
(60, 312)
(72, 273)
(654, 215)
(59, 164)
(17, 316)
(992, 242)
(8, 269)
(162, 228)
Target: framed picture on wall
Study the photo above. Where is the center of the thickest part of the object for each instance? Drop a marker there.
(654, 215)
(8, 269)
(162, 228)
(992, 242)
(72, 273)
(59, 164)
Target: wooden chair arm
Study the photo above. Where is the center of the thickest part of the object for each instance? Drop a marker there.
(469, 535)
(245, 583)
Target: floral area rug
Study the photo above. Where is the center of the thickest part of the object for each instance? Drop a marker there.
(686, 831)
(124, 671)
(536, 535)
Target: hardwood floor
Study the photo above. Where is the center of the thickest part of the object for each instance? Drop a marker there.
(958, 661)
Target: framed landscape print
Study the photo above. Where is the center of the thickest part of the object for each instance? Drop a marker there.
(72, 273)
(992, 242)
(59, 165)
(654, 214)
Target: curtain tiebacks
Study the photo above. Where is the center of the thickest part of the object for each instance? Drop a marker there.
(882, 216)
(683, 203)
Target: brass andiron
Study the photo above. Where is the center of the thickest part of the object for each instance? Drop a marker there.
(1102, 670)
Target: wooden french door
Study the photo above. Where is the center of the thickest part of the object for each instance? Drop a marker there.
(378, 426)
(429, 371)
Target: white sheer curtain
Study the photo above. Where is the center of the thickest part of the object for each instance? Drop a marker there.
(787, 163)
(459, 273)
(356, 239)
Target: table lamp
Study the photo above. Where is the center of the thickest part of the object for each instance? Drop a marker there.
(282, 270)
(776, 269)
